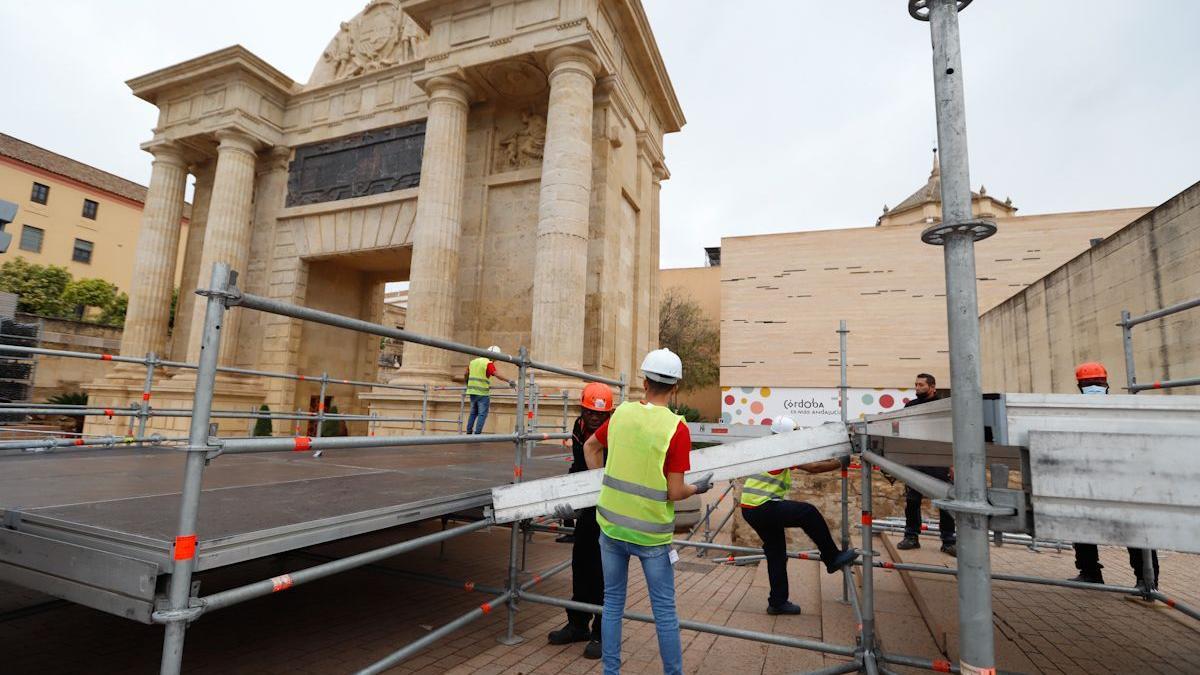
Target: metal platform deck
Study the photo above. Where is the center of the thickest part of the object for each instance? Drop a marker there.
(67, 516)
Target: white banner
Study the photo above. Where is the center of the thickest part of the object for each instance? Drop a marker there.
(807, 406)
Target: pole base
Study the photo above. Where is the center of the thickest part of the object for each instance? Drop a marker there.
(512, 641)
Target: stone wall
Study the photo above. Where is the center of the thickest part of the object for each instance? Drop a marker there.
(56, 375)
(1033, 341)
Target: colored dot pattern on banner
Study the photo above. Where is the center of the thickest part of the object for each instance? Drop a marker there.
(808, 406)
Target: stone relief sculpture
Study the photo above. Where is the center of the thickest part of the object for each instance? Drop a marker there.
(524, 146)
(381, 35)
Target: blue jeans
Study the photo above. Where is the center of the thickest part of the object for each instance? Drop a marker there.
(479, 412)
(660, 581)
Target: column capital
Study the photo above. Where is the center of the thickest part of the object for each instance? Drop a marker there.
(572, 59)
(167, 152)
(450, 87)
(276, 159)
(235, 139)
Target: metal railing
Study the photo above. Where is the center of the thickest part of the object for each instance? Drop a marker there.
(182, 607)
(1127, 323)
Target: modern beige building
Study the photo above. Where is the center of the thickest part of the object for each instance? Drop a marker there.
(1032, 341)
(782, 296)
(504, 157)
(72, 214)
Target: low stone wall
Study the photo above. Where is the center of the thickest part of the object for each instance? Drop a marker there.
(824, 491)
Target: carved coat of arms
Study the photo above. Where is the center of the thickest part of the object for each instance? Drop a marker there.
(381, 35)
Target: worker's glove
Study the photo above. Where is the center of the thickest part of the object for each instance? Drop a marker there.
(512, 385)
(563, 512)
(704, 484)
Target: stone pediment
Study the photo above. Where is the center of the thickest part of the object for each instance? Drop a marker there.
(380, 36)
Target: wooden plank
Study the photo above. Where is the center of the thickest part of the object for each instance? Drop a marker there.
(1139, 490)
(726, 462)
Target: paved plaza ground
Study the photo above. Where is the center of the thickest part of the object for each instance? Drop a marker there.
(348, 621)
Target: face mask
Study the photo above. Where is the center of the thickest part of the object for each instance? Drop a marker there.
(1095, 389)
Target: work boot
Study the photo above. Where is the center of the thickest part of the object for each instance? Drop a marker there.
(594, 649)
(950, 549)
(909, 542)
(785, 608)
(1096, 577)
(565, 539)
(568, 634)
(841, 560)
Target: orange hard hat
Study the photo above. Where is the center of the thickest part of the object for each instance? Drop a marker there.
(1092, 370)
(597, 397)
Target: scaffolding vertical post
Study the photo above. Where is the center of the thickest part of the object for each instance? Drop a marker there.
(321, 404)
(957, 233)
(462, 408)
(424, 408)
(621, 390)
(144, 410)
(868, 553)
(566, 411)
(184, 549)
(1149, 582)
(845, 402)
(510, 637)
(1127, 340)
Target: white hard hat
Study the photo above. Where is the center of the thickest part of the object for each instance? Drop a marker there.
(494, 348)
(663, 365)
(783, 425)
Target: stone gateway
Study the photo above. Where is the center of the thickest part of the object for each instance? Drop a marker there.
(504, 157)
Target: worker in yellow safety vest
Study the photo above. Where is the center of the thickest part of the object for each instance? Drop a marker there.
(767, 509)
(479, 389)
(648, 448)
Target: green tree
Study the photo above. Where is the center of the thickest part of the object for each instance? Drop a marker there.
(114, 313)
(262, 427)
(84, 293)
(40, 287)
(683, 328)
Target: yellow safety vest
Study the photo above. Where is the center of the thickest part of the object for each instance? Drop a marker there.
(478, 383)
(763, 487)
(633, 504)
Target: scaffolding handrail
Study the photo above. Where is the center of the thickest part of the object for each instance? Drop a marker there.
(1160, 313)
(237, 298)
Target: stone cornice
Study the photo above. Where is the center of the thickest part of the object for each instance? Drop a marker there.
(646, 48)
(231, 59)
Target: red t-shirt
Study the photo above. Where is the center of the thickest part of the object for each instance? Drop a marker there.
(677, 460)
(491, 369)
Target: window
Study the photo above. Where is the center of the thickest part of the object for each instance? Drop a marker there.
(31, 238)
(82, 252)
(89, 209)
(40, 194)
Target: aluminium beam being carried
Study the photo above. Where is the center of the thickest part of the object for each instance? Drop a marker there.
(1122, 470)
(535, 498)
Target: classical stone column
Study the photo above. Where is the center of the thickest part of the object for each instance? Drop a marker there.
(560, 272)
(227, 234)
(431, 293)
(189, 278)
(154, 263)
(660, 174)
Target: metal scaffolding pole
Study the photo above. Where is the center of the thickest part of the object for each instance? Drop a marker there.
(179, 610)
(868, 554)
(957, 234)
(510, 637)
(844, 391)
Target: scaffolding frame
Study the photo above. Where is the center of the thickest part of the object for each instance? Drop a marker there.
(1127, 323)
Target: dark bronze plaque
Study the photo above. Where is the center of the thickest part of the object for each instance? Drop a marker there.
(370, 163)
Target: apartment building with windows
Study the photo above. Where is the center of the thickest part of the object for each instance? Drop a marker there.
(72, 214)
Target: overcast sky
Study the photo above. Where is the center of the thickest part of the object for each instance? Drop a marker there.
(801, 114)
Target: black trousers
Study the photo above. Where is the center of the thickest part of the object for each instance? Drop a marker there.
(1087, 560)
(587, 573)
(912, 507)
(770, 521)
